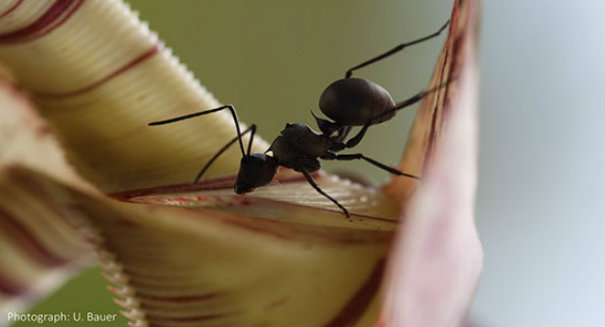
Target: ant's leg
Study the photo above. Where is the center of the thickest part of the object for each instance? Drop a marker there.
(343, 132)
(372, 161)
(325, 126)
(197, 114)
(251, 129)
(403, 104)
(395, 50)
(312, 182)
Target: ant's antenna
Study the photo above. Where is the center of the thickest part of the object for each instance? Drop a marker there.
(205, 112)
(251, 129)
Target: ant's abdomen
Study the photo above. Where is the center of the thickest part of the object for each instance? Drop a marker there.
(354, 101)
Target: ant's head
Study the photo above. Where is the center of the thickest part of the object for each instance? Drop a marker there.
(255, 170)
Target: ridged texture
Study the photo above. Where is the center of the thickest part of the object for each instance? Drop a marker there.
(99, 92)
(289, 188)
(245, 272)
(41, 243)
(27, 10)
(199, 267)
(40, 246)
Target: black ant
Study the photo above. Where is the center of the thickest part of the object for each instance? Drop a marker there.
(348, 102)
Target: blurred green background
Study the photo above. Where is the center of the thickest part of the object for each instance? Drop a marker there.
(272, 59)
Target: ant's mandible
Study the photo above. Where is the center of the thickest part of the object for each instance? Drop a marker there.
(348, 102)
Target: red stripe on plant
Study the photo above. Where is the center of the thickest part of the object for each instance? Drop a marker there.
(153, 285)
(23, 178)
(454, 68)
(54, 17)
(146, 55)
(430, 148)
(11, 9)
(292, 231)
(183, 298)
(10, 287)
(360, 301)
(28, 241)
(220, 183)
(157, 319)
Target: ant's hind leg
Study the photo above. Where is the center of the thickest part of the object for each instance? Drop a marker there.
(318, 189)
(372, 161)
(395, 50)
(403, 104)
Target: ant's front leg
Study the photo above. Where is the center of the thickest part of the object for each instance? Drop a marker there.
(337, 146)
(320, 191)
(338, 143)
